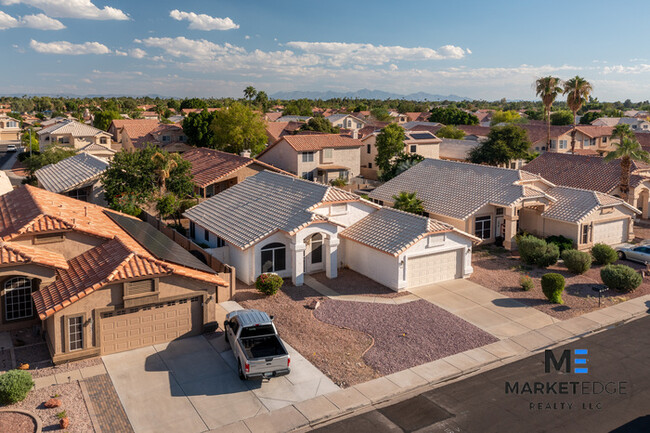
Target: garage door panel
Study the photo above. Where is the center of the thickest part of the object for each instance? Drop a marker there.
(611, 233)
(432, 268)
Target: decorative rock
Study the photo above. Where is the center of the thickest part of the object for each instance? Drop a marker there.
(64, 423)
(313, 305)
(53, 402)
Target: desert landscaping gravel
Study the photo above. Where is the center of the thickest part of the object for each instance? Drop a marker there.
(405, 335)
(350, 282)
(335, 351)
(15, 422)
(502, 272)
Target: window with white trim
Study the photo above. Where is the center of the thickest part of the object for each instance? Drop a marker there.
(75, 333)
(308, 157)
(273, 257)
(18, 298)
(482, 227)
(585, 233)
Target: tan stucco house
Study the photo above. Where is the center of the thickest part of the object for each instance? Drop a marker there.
(491, 202)
(319, 157)
(94, 279)
(70, 133)
(9, 128)
(423, 143)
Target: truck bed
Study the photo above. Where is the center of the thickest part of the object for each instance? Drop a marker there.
(262, 347)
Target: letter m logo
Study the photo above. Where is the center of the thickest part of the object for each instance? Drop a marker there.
(549, 358)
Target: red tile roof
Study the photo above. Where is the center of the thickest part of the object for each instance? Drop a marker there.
(275, 130)
(272, 117)
(481, 131)
(303, 143)
(198, 110)
(595, 131)
(12, 253)
(136, 129)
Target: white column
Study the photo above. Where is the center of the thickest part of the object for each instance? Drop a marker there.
(331, 256)
(297, 263)
(511, 219)
(467, 262)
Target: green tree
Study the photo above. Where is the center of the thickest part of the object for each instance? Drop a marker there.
(509, 116)
(589, 117)
(504, 144)
(250, 93)
(51, 155)
(548, 88)
(628, 150)
(238, 128)
(25, 140)
(408, 202)
(535, 114)
(196, 126)
(623, 131)
(299, 107)
(381, 114)
(262, 101)
(389, 143)
(320, 124)
(164, 163)
(577, 90)
(562, 117)
(103, 119)
(400, 164)
(450, 131)
(452, 116)
(194, 103)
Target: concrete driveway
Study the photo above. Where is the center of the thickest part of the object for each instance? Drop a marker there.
(191, 385)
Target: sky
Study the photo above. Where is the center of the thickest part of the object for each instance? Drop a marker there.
(215, 48)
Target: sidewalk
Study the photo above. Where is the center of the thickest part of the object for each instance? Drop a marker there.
(312, 412)
(332, 294)
(69, 376)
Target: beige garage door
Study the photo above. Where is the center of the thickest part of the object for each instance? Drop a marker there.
(611, 233)
(433, 268)
(137, 327)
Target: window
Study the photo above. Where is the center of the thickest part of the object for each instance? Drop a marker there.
(220, 242)
(368, 148)
(552, 144)
(563, 144)
(12, 124)
(414, 148)
(309, 175)
(182, 138)
(537, 148)
(543, 147)
(499, 211)
(75, 333)
(206, 234)
(18, 299)
(585, 234)
(604, 139)
(317, 248)
(79, 194)
(139, 287)
(192, 230)
(273, 257)
(166, 138)
(513, 165)
(308, 157)
(482, 226)
(327, 153)
(48, 238)
(103, 140)
(370, 165)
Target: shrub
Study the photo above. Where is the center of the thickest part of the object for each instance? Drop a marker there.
(552, 286)
(621, 278)
(549, 257)
(561, 242)
(604, 254)
(14, 386)
(526, 283)
(339, 182)
(269, 283)
(577, 262)
(531, 248)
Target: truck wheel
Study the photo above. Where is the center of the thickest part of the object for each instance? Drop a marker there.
(239, 370)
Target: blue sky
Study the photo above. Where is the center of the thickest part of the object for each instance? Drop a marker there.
(206, 48)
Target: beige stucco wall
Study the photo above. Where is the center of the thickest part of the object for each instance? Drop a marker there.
(74, 244)
(283, 156)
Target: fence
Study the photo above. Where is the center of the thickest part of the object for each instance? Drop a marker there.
(224, 271)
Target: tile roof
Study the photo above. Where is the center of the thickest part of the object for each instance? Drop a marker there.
(579, 171)
(480, 131)
(272, 117)
(456, 189)
(108, 263)
(592, 131)
(537, 133)
(262, 204)
(71, 173)
(644, 139)
(94, 148)
(72, 127)
(575, 204)
(12, 253)
(393, 231)
(136, 129)
(303, 143)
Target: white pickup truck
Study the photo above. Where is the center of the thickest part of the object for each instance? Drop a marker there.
(255, 343)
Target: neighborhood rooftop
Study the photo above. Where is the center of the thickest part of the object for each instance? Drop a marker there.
(306, 143)
(73, 128)
(71, 173)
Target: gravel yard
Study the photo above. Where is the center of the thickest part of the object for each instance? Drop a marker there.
(502, 271)
(72, 402)
(350, 282)
(335, 351)
(405, 335)
(15, 422)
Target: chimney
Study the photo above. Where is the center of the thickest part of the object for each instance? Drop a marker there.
(246, 153)
(355, 133)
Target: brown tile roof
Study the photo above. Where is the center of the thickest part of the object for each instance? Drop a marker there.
(272, 117)
(198, 110)
(12, 253)
(303, 143)
(595, 131)
(136, 129)
(481, 131)
(579, 171)
(538, 133)
(417, 115)
(644, 140)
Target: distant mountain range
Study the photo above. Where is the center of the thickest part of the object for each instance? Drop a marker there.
(366, 94)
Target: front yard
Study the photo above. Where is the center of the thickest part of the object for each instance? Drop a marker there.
(501, 271)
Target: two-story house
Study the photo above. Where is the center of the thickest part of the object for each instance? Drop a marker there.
(70, 133)
(636, 124)
(131, 133)
(9, 128)
(319, 157)
(423, 143)
(347, 121)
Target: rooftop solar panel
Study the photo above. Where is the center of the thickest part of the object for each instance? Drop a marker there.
(422, 136)
(159, 245)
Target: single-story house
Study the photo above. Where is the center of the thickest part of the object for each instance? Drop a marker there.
(596, 174)
(77, 176)
(493, 202)
(96, 280)
(272, 222)
(214, 171)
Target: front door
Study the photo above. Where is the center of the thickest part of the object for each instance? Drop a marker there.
(315, 259)
(499, 228)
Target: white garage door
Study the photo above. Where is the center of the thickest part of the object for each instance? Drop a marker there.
(433, 268)
(611, 233)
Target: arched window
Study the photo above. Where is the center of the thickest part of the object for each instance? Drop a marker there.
(273, 257)
(18, 298)
(316, 242)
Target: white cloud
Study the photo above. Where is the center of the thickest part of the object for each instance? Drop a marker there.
(620, 69)
(38, 21)
(137, 53)
(121, 53)
(203, 21)
(72, 9)
(247, 37)
(195, 49)
(68, 48)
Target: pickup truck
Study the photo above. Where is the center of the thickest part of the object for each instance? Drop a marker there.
(255, 344)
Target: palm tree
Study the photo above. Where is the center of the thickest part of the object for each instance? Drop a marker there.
(628, 150)
(623, 131)
(408, 202)
(548, 88)
(577, 90)
(164, 164)
(250, 92)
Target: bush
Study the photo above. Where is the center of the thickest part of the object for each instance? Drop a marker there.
(553, 286)
(339, 182)
(549, 257)
(526, 283)
(531, 249)
(621, 278)
(14, 386)
(577, 262)
(604, 254)
(561, 242)
(269, 283)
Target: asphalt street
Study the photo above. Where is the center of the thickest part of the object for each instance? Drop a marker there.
(613, 396)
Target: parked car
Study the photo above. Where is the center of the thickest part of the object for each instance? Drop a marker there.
(11, 148)
(256, 345)
(640, 253)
